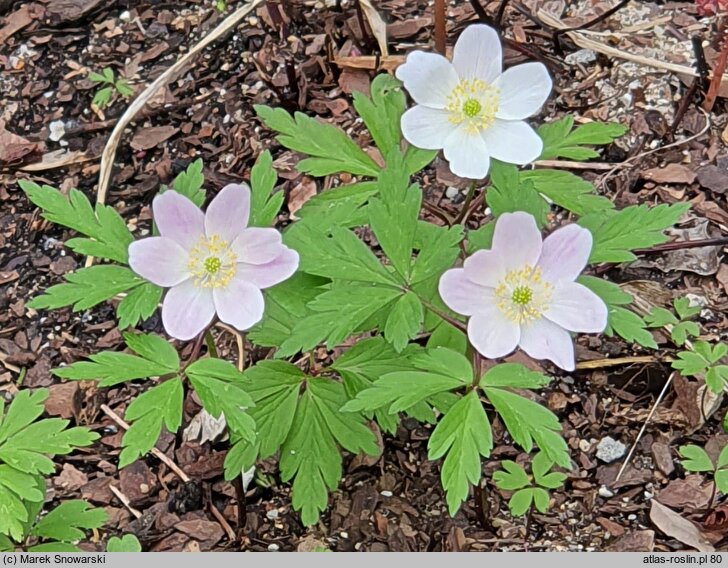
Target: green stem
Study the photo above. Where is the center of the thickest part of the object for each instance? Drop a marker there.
(438, 312)
(210, 342)
(466, 205)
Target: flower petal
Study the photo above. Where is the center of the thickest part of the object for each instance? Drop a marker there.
(491, 333)
(428, 77)
(523, 90)
(514, 142)
(461, 294)
(160, 260)
(240, 304)
(258, 245)
(187, 310)
(228, 212)
(270, 273)
(477, 54)
(517, 240)
(576, 308)
(178, 218)
(565, 253)
(426, 127)
(467, 153)
(543, 339)
(485, 267)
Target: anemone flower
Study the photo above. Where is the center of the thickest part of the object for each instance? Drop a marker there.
(212, 262)
(471, 108)
(522, 292)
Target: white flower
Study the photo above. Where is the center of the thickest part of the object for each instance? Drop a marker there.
(470, 108)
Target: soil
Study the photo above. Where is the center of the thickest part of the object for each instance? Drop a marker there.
(284, 54)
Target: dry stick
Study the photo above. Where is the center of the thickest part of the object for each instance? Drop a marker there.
(717, 77)
(239, 340)
(680, 245)
(603, 363)
(480, 11)
(125, 501)
(107, 158)
(440, 31)
(644, 426)
(590, 23)
(500, 13)
(222, 520)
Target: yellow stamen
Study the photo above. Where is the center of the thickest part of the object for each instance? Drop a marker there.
(212, 262)
(523, 295)
(474, 103)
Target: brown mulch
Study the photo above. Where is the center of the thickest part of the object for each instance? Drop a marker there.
(282, 55)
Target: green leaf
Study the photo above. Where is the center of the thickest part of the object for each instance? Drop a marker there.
(155, 357)
(617, 233)
(683, 330)
(721, 480)
(610, 292)
(106, 232)
(417, 159)
(560, 141)
(310, 455)
(660, 317)
(160, 404)
(528, 421)
(123, 88)
(695, 458)
(265, 204)
(567, 190)
(343, 206)
(464, 434)
(103, 97)
(65, 522)
(12, 516)
(54, 547)
(438, 249)
(88, 287)
(21, 483)
(189, 183)
(99, 78)
(138, 305)
(722, 458)
(540, 466)
(510, 193)
(404, 321)
(520, 502)
(628, 325)
(445, 335)
(220, 388)
(514, 477)
(127, 543)
(716, 378)
(513, 375)
(481, 238)
(683, 308)
(330, 149)
(382, 112)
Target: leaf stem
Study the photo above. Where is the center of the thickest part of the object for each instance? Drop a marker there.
(210, 342)
(466, 205)
(449, 319)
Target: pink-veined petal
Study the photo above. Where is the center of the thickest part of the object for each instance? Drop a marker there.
(178, 218)
(514, 142)
(576, 308)
(258, 245)
(485, 267)
(240, 304)
(426, 127)
(565, 253)
(523, 90)
(517, 240)
(428, 77)
(491, 333)
(543, 339)
(477, 54)
(467, 153)
(187, 310)
(160, 260)
(270, 273)
(228, 213)
(461, 294)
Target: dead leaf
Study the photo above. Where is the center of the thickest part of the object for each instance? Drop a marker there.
(700, 260)
(722, 277)
(70, 478)
(713, 178)
(690, 493)
(15, 22)
(300, 194)
(204, 427)
(672, 173)
(637, 541)
(58, 159)
(311, 544)
(675, 526)
(12, 146)
(377, 24)
(147, 138)
(62, 11)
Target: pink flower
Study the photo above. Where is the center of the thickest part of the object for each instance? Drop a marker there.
(212, 262)
(521, 292)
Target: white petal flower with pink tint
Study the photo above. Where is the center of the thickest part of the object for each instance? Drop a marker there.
(522, 292)
(212, 262)
(470, 107)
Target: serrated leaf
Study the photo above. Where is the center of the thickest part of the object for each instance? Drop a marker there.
(464, 434)
(106, 232)
(660, 317)
(567, 190)
(449, 337)
(438, 247)
(159, 405)
(220, 388)
(138, 305)
(64, 523)
(512, 477)
(681, 331)
(695, 458)
(540, 465)
(520, 502)
(103, 97)
(88, 287)
(628, 325)
(331, 150)
(127, 543)
(509, 193)
(343, 206)
(481, 238)
(265, 204)
(155, 357)
(513, 375)
(560, 141)
(617, 233)
(722, 458)
(404, 321)
(683, 308)
(690, 363)
(189, 183)
(382, 112)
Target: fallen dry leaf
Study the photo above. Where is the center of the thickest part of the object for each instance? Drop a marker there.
(690, 493)
(304, 191)
(722, 277)
(377, 24)
(15, 22)
(12, 146)
(147, 138)
(675, 526)
(713, 178)
(672, 173)
(637, 541)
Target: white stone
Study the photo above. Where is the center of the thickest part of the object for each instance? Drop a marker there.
(125, 16)
(604, 492)
(610, 450)
(582, 56)
(57, 130)
(273, 547)
(451, 192)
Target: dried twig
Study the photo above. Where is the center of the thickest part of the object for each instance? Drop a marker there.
(107, 158)
(440, 30)
(604, 363)
(124, 501)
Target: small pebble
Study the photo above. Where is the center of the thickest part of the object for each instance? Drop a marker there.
(451, 192)
(57, 130)
(125, 16)
(582, 56)
(610, 450)
(273, 547)
(386, 493)
(272, 514)
(604, 492)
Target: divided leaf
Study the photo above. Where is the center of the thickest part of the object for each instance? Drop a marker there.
(265, 204)
(65, 522)
(695, 458)
(562, 140)
(189, 183)
(567, 190)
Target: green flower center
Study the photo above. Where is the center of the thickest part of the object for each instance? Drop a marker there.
(212, 264)
(522, 295)
(472, 108)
